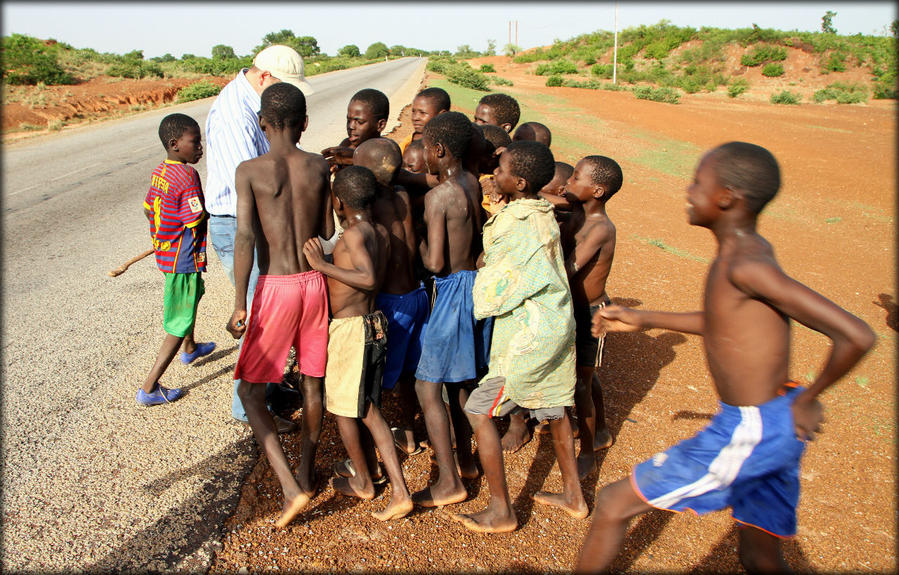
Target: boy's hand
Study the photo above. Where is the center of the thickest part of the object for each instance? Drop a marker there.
(338, 155)
(237, 325)
(314, 253)
(807, 418)
(615, 318)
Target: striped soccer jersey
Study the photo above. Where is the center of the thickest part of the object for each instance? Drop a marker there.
(178, 227)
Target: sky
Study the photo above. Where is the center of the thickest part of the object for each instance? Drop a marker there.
(180, 28)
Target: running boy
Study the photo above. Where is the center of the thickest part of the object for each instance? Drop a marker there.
(358, 336)
(748, 457)
(455, 346)
(427, 104)
(594, 181)
(174, 207)
(282, 200)
(523, 285)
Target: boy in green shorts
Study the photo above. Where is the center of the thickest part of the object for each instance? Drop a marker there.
(174, 207)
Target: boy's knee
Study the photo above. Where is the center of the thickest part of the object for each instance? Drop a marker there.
(312, 388)
(250, 392)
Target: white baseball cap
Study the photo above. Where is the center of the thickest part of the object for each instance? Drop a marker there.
(283, 63)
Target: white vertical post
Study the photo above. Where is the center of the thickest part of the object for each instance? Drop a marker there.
(615, 52)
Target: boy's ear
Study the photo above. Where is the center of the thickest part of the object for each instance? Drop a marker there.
(440, 150)
(382, 123)
(173, 144)
(599, 191)
(306, 123)
(727, 197)
(507, 127)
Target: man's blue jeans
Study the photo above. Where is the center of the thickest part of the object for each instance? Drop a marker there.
(222, 230)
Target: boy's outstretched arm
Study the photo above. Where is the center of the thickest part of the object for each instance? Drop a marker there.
(851, 337)
(361, 277)
(619, 318)
(244, 242)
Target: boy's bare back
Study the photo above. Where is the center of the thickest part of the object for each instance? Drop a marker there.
(291, 203)
(393, 210)
(454, 219)
(364, 247)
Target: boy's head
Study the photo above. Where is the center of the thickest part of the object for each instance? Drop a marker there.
(556, 186)
(499, 110)
(180, 135)
(524, 168)
(427, 104)
(414, 157)
(494, 138)
(596, 177)
(533, 131)
(380, 155)
(355, 187)
(745, 169)
(283, 107)
(448, 134)
(366, 115)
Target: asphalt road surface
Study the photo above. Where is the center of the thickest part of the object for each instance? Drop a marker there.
(91, 480)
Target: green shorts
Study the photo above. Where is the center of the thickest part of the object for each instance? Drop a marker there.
(180, 300)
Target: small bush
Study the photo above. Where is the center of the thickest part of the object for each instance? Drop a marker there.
(27, 60)
(763, 54)
(466, 76)
(556, 67)
(602, 70)
(737, 87)
(836, 62)
(487, 68)
(665, 95)
(439, 65)
(497, 81)
(553, 81)
(842, 93)
(773, 70)
(786, 97)
(198, 91)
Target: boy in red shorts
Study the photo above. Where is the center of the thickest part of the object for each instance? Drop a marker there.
(174, 207)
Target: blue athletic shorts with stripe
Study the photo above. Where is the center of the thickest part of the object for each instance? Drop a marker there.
(407, 318)
(747, 459)
(456, 347)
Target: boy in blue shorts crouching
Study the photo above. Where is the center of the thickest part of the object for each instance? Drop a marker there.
(174, 206)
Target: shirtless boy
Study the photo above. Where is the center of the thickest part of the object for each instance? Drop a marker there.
(554, 191)
(358, 337)
(414, 157)
(533, 131)
(498, 109)
(455, 346)
(282, 200)
(497, 139)
(594, 181)
(366, 117)
(427, 104)
(748, 456)
(522, 284)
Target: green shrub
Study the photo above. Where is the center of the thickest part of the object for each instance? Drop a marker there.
(27, 60)
(528, 57)
(773, 70)
(133, 65)
(554, 81)
(842, 93)
(737, 86)
(556, 67)
(439, 65)
(497, 81)
(836, 62)
(665, 95)
(602, 70)
(487, 68)
(786, 97)
(464, 75)
(763, 54)
(198, 91)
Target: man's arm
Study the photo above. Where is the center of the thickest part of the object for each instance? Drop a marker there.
(244, 242)
(432, 247)
(362, 276)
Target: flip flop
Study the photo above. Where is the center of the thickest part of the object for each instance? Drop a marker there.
(399, 439)
(345, 469)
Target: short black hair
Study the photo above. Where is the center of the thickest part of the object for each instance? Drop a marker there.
(750, 169)
(565, 169)
(606, 173)
(172, 126)
(505, 108)
(439, 96)
(534, 131)
(283, 105)
(495, 135)
(356, 187)
(452, 130)
(380, 155)
(376, 101)
(532, 161)
(415, 145)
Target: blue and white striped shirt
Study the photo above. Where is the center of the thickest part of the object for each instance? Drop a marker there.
(232, 136)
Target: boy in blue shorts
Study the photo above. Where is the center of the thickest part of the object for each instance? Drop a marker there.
(174, 207)
(748, 456)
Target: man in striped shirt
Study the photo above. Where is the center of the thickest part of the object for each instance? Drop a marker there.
(233, 135)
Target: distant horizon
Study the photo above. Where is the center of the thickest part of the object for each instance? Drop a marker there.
(176, 28)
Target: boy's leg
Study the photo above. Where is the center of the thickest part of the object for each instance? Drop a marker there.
(571, 500)
(760, 552)
(407, 407)
(166, 354)
(518, 434)
(360, 485)
(311, 432)
(400, 501)
(616, 505)
(586, 419)
(458, 395)
(498, 517)
(253, 398)
(448, 488)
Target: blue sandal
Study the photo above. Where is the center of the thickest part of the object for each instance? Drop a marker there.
(202, 349)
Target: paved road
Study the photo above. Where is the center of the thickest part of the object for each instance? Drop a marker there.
(90, 479)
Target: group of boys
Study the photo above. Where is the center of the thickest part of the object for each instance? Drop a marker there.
(470, 266)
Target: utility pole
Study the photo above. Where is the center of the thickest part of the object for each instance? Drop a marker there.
(516, 32)
(510, 31)
(615, 52)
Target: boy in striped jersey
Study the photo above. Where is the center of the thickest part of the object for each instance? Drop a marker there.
(174, 207)
(747, 458)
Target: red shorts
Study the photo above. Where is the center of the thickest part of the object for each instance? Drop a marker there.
(284, 307)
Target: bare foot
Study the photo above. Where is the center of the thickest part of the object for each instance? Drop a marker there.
(405, 441)
(434, 496)
(542, 428)
(602, 439)
(487, 521)
(395, 510)
(344, 485)
(577, 510)
(291, 509)
(586, 464)
(515, 438)
(471, 471)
